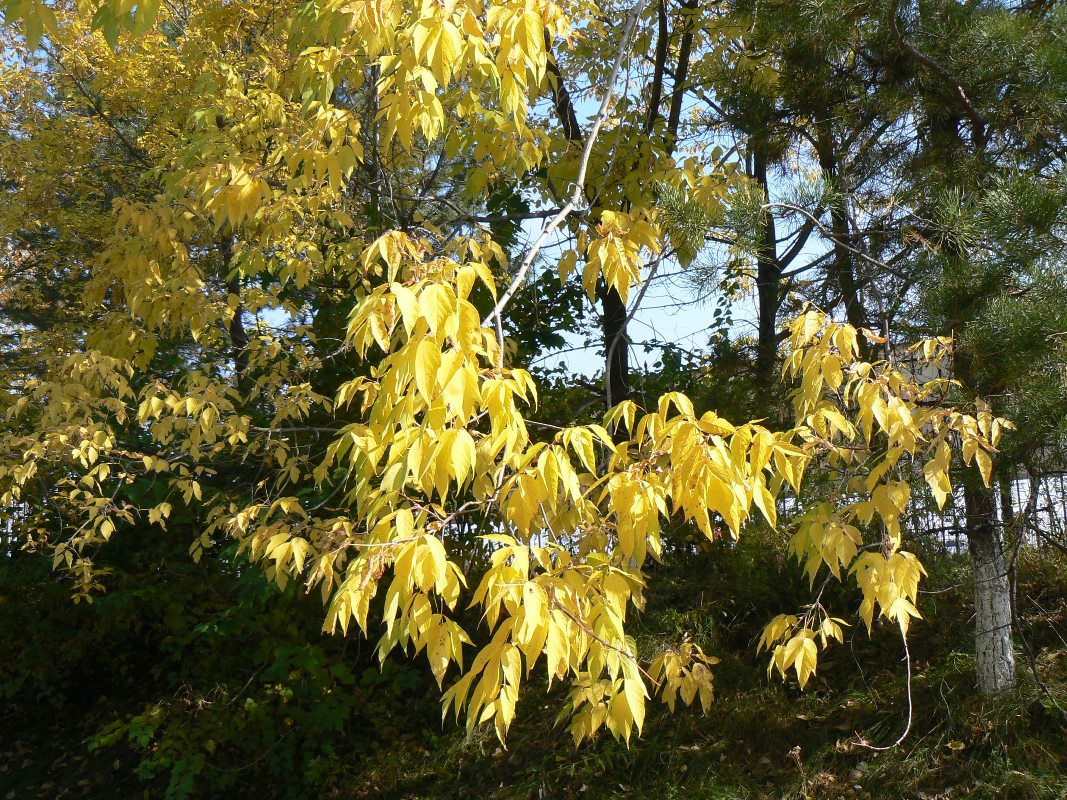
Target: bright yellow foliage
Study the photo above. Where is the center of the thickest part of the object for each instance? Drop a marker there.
(268, 139)
(867, 424)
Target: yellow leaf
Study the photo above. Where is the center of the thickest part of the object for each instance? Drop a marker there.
(567, 262)
(427, 363)
(463, 456)
(437, 303)
(299, 551)
(408, 305)
(806, 660)
(985, 465)
(634, 689)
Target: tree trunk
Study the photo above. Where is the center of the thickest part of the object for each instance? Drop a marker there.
(768, 280)
(992, 590)
(992, 596)
(616, 347)
(1007, 505)
(238, 334)
(842, 268)
(613, 321)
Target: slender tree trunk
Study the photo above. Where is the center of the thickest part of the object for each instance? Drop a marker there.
(685, 48)
(613, 320)
(992, 595)
(1007, 505)
(663, 37)
(238, 334)
(768, 280)
(614, 316)
(616, 347)
(843, 270)
(992, 589)
(372, 163)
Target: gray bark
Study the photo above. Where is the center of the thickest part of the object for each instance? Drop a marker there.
(992, 595)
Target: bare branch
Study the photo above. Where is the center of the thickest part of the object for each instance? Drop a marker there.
(579, 181)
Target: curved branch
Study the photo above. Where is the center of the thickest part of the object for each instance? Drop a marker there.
(978, 122)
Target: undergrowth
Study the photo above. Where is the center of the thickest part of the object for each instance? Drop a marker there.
(248, 702)
(764, 739)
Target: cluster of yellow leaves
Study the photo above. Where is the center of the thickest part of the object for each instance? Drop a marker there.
(872, 426)
(685, 671)
(482, 63)
(442, 437)
(614, 253)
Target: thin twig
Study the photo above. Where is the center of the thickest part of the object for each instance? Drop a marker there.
(978, 123)
(907, 728)
(579, 182)
(592, 635)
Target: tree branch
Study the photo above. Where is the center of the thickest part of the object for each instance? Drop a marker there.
(579, 181)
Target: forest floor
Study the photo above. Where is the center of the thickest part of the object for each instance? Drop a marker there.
(761, 739)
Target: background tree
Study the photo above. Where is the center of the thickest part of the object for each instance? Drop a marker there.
(922, 147)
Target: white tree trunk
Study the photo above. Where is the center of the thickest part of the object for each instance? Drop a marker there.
(992, 594)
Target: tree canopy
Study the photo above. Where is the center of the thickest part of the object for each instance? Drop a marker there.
(276, 275)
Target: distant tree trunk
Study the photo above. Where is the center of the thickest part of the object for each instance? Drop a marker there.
(992, 590)
(768, 279)
(992, 596)
(238, 334)
(1007, 504)
(995, 658)
(372, 163)
(843, 270)
(687, 24)
(616, 347)
(613, 320)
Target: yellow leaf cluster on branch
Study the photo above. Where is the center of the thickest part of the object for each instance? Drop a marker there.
(871, 426)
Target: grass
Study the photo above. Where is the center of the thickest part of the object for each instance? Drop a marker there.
(765, 743)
